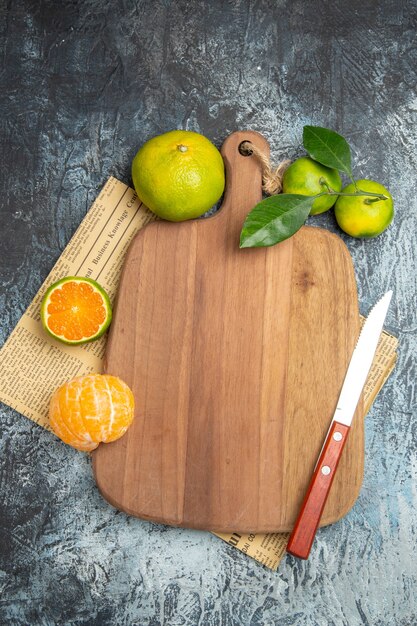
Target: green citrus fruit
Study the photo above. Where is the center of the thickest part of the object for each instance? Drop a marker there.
(75, 310)
(359, 216)
(178, 175)
(305, 177)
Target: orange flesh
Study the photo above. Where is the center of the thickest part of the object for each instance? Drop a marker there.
(90, 409)
(75, 311)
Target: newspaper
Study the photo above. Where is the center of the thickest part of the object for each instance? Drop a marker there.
(33, 365)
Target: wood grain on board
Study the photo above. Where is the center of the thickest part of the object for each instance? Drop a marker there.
(236, 359)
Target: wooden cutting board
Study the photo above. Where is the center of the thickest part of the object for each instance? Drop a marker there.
(236, 359)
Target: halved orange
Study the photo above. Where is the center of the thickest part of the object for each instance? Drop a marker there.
(76, 310)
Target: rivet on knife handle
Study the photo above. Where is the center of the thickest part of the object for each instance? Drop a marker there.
(305, 528)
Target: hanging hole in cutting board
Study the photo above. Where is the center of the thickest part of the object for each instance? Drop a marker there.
(244, 148)
(271, 175)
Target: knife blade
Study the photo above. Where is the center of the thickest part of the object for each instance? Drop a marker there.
(302, 536)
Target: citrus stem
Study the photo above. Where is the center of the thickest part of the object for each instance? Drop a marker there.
(332, 192)
(182, 148)
(371, 200)
(324, 183)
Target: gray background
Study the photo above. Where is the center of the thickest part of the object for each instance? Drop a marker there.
(82, 86)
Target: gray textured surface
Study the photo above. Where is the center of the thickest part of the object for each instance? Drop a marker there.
(82, 86)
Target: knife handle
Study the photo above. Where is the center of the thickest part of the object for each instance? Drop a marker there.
(308, 519)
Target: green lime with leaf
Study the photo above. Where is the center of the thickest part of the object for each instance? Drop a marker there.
(364, 216)
(312, 185)
(310, 178)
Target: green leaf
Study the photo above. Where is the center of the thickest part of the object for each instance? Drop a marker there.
(274, 219)
(328, 148)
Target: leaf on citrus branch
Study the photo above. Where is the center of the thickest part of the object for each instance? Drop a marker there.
(328, 148)
(275, 219)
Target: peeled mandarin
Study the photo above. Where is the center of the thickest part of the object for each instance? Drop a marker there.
(91, 409)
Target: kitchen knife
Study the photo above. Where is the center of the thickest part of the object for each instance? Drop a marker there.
(308, 519)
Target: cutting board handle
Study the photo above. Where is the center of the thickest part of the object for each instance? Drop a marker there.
(243, 174)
